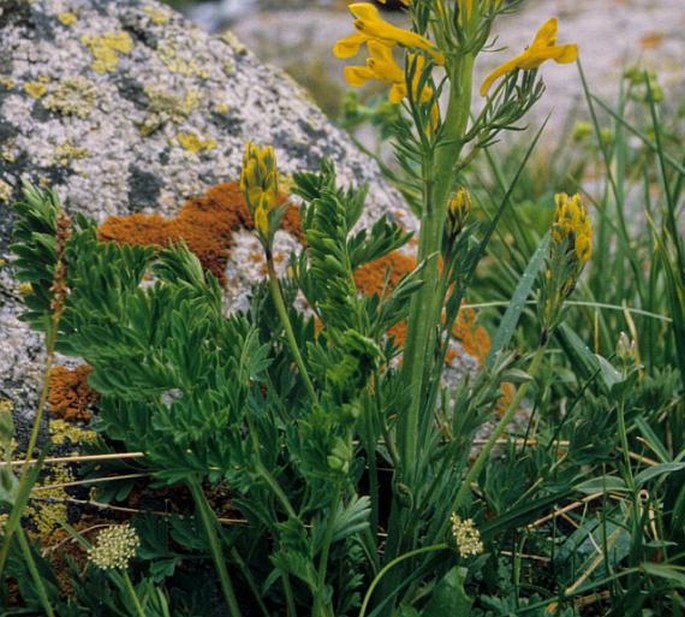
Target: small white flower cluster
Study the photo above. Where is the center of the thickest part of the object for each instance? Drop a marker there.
(466, 536)
(114, 547)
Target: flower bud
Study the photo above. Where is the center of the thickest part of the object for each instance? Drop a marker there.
(458, 211)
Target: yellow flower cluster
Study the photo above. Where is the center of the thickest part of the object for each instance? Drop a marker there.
(114, 547)
(572, 224)
(466, 536)
(381, 37)
(259, 183)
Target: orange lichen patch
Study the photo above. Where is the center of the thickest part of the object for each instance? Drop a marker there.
(370, 278)
(70, 397)
(474, 338)
(652, 40)
(206, 223)
(508, 391)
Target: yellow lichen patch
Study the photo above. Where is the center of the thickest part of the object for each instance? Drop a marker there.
(70, 397)
(5, 192)
(36, 89)
(25, 288)
(67, 18)
(222, 108)
(73, 96)
(48, 507)
(157, 16)
(168, 54)
(62, 431)
(7, 83)
(191, 142)
(67, 152)
(106, 49)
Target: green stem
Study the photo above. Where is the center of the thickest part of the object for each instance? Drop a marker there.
(209, 523)
(289, 599)
(254, 588)
(277, 296)
(425, 310)
(277, 490)
(391, 564)
(320, 610)
(499, 429)
(33, 570)
(134, 596)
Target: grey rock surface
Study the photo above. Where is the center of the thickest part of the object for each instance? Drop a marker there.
(127, 107)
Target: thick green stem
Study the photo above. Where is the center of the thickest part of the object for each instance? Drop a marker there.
(209, 523)
(134, 596)
(425, 310)
(277, 296)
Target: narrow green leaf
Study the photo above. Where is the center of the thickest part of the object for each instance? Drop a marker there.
(518, 301)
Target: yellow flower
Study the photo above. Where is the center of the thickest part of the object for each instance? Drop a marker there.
(371, 26)
(259, 182)
(543, 48)
(572, 223)
(381, 66)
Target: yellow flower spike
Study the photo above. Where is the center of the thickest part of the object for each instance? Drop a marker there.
(571, 221)
(259, 183)
(543, 48)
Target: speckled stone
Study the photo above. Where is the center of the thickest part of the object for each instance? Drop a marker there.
(127, 107)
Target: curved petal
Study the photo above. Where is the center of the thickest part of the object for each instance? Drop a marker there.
(364, 10)
(397, 92)
(563, 54)
(547, 34)
(357, 76)
(502, 69)
(349, 46)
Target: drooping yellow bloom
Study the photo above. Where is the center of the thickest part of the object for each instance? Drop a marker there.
(572, 224)
(543, 48)
(381, 66)
(371, 26)
(259, 182)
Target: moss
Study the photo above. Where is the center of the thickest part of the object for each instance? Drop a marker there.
(206, 223)
(70, 397)
(106, 49)
(72, 96)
